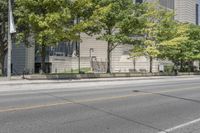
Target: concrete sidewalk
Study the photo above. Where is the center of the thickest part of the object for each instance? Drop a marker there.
(2, 79)
(19, 81)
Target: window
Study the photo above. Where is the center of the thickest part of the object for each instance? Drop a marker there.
(197, 14)
(139, 1)
(167, 3)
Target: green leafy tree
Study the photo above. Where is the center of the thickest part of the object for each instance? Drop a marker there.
(82, 9)
(157, 21)
(191, 49)
(46, 21)
(3, 32)
(175, 47)
(194, 42)
(178, 42)
(110, 21)
(184, 47)
(136, 51)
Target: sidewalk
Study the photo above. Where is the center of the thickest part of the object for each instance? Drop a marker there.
(12, 78)
(19, 81)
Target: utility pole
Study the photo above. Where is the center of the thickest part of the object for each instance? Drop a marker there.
(9, 43)
(11, 29)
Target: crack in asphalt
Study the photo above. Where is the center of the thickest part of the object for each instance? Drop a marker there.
(107, 112)
(170, 96)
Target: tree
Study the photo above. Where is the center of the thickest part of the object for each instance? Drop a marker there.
(156, 16)
(137, 51)
(3, 33)
(110, 21)
(175, 46)
(47, 21)
(80, 9)
(192, 46)
(158, 20)
(194, 41)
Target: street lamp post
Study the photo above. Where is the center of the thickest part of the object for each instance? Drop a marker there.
(11, 29)
(9, 43)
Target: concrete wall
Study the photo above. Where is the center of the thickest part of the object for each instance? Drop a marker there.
(121, 61)
(198, 2)
(61, 64)
(30, 59)
(185, 10)
(99, 47)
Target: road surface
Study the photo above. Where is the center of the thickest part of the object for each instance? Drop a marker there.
(168, 105)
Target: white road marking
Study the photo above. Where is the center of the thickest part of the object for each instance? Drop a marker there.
(180, 126)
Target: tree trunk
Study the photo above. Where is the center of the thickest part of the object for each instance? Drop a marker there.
(108, 57)
(2, 59)
(43, 56)
(191, 64)
(134, 64)
(181, 67)
(151, 64)
(3, 64)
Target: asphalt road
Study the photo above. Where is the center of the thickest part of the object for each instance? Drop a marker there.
(170, 105)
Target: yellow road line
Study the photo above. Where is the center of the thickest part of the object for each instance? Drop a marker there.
(33, 107)
(91, 100)
(64, 103)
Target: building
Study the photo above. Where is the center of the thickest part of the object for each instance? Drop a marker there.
(64, 57)
(23, 59)
(185, 11)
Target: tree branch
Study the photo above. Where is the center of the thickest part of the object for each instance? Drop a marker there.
(114, 46)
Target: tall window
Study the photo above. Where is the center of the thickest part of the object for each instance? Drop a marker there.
(197, 14)
(139, 1)
(167, 3)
